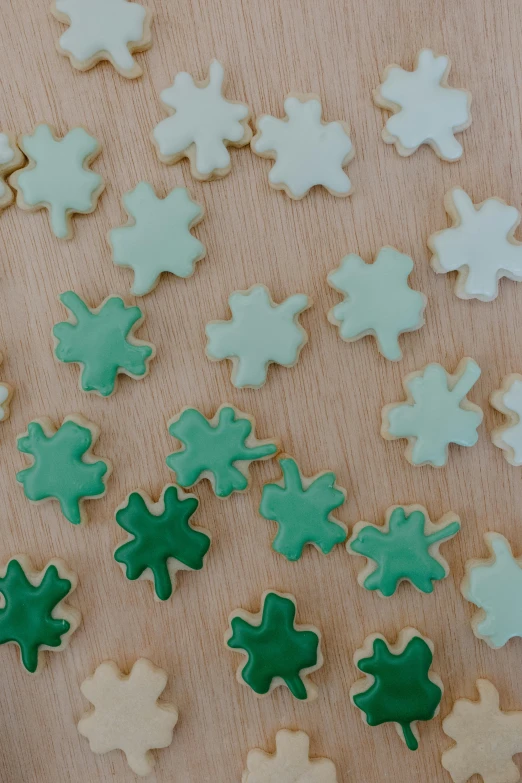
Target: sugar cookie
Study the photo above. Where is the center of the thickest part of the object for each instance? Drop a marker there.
(508, 400)
(11, 158)
(6, 393)
(290, 763)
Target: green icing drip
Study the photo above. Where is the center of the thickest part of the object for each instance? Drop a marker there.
(214, 449)
(58, 470)
(99, 341)
(26, 617)
(302, 514)
(402, 691)
(275, 648)
(158, 537)
(402, 552)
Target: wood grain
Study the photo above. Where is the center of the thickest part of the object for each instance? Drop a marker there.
(326, 410)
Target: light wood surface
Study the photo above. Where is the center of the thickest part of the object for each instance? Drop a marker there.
(326, 410)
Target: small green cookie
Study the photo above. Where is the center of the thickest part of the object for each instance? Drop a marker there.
(102, 341)
(161, 540)
(63, 465)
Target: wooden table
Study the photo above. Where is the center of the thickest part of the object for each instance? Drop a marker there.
(326, 410)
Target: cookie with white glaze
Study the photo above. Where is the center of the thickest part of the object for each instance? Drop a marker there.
(508, 400)
(11, 159)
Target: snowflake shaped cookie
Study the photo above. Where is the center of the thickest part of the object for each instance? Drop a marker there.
(104, 30)
(157, 237)
(278, 651)
(302, 508)
(290, 763)
(495, 586)
(161, 539)
(34, 614)
(127, 715)
(260, 333)
(406, 548)
(11, 158)
(58, 177)
(102, 341)
(307, 151)
(220, 449)
(486, 739)
(63, 465)
(435, 414)
(508, 400)
(203, 125)
(480, 245)
(425, 109)
(378, 301)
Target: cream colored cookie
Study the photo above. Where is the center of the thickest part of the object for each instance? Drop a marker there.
(11, 159)
(508, 400)
(6, 393)
(290, 763)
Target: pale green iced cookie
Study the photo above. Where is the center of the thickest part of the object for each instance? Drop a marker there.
(378, 300)
(58, 176)
(260, 333)
(157, 237)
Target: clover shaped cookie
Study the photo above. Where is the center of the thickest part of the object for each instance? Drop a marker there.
(290, 763)
(11, 158)
(508, 400)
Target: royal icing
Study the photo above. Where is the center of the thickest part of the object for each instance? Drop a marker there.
(203, 125)
(63, 465)
(479, 246)
(34, 615)
(58, 176)
(290, 763)
(127, 715)
(425, 110)
(378, 300)
(486, 738)
(405, 548)
(278, 651)
(508, 400)
(398, 686)
(161, 539)
(219, 449)
(102, 341)
(103, 30)
(307, 151)
(436, 413)
(495, 586)
(302, 508)
(157, 237)
(260, 333)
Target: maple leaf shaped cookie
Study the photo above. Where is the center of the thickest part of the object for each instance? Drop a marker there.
(378, 302)
(203, 125)
(157, 237)
(302, 508)
(260, 333)
(307, 151)
(58, 177)
(398, 687)
(161, 539)
(11, 158)
(104, 30)
(127, 715)
(34, 614)
(495, 586)
(508, 400)
(425, 109)
(480, 245)
(435, 414)
(63, 465)
(406, 548)
(290, 763)
(102, 341)
(278, 651)
(486, 739)
(220, 449)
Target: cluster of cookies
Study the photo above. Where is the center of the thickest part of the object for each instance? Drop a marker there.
(398, 685)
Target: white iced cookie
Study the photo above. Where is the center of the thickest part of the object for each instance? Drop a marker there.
(289, 764)
(486, 739)
(203, 124)
(508, 400)
(307, 151)
(260, 333)
(104, 30)
(127, 715)
(425, 109)
(480, 245)
(495, 586)
(11, 158)
(6, 392)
